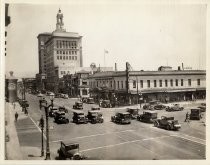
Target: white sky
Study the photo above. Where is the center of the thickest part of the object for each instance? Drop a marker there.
(147, 36)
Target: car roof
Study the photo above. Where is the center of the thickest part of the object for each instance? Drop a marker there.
(95, 111)
(124, 113)
(150, 111)
(78, 112)
(67, 143)
(78, 102)
(133, 108)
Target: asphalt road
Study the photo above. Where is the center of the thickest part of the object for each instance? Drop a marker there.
(110, 141)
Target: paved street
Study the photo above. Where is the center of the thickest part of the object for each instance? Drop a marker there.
(138, 141)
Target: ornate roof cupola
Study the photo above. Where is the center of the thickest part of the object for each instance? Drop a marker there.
(59, 24)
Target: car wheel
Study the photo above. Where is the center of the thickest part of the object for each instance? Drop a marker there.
(168, 127)
(155, 124)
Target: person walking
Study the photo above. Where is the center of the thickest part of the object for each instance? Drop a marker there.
(187, 119)
(16, 116)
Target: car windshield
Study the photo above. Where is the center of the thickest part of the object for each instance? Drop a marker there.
(175, 122)
(81, 115)
(126, 116)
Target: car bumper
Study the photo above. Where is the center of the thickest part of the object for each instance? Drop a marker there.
(178, 126)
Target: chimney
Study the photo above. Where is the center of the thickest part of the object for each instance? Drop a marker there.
(115, 67)
(179, 68)
(182, 66)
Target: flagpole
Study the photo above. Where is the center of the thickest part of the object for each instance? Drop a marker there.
(104, 59)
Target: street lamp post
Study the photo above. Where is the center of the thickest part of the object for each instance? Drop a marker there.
(42, 128)
(47, 126)
(47, 135)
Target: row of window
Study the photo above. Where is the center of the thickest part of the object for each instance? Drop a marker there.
(65, 72)
(166, 82)
(66, 52)
(66, 44)
(66, 57)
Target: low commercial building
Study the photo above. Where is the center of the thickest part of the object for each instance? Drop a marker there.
(166, 85)
(75, 85)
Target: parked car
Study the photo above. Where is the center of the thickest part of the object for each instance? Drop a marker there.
(79, 117)
(121, 118)
(106, 104)
(159, 106)
(70, 151)
(90, 100)
(58, 95)
(78, 105)
(195, 114)
(147, 116)
(134, 112)
(52, 111)
(202, 108)
(64, 96)
(23, 103)
(151, 104)
(167, 122)
(174, 107)
(60, 118)
(49, 93)
(95, 117)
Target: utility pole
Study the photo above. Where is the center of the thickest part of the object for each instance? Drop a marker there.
(127, 81)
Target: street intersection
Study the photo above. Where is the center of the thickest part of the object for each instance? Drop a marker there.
(110, 141)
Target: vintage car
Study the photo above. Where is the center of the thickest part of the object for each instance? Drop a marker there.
(174, 107)
(78, 105)
(52, 111)
(159, 106)
(167, 122)
(202, 107)
(195, 114)
(64, 96)
(95, 117)
(63, 109)
(150, 105)
(79, 117)
(48, 93)
(105, 104)
(90, 100)
(23, 102)
(60, 118)
(147, 116)
(134, 112)
(70, 151)
(121, 118)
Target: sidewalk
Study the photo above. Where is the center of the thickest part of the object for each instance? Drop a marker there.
(12, 147)
(13, 150)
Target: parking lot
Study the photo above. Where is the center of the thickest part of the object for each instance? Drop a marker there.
(136, 141)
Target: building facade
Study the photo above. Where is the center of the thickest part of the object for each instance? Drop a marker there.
(60, 53)
(76, 85)
(166, 85)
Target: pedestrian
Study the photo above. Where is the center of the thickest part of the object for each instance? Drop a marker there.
(187, 119)
(16, 116)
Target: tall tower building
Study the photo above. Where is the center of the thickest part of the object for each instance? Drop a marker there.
(60, 52)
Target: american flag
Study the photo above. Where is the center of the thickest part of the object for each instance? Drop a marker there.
(106, 51)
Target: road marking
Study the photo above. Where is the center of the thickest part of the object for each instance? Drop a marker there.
(197, 140)
(81, 137)
(127, 142)
(37, 127)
